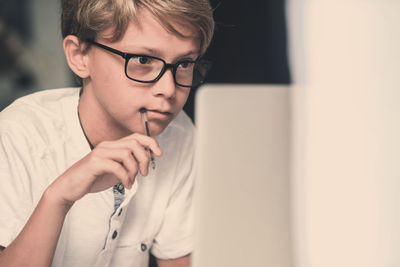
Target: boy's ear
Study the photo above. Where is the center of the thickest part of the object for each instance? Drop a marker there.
(76, 56)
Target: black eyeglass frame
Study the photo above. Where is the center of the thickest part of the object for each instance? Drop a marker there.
(174, 66)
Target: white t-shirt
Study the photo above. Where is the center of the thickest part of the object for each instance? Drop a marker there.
(41, 137)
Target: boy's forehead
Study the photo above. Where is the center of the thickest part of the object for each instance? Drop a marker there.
(149, 25)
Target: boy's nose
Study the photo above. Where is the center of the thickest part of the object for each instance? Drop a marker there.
(166, 85)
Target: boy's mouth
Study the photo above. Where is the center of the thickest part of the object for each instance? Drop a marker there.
(157, 113)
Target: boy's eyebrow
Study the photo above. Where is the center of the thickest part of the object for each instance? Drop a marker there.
(156, 52)
(190, 53)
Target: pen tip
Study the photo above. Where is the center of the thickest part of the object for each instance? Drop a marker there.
(142, 110)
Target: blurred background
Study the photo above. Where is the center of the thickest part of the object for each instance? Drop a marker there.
(31, 56)
(341, 60)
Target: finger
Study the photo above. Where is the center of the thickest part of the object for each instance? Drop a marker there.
(124, 157)
(142, 156)
(146, 141)
(116, 169)
(136, 155)
(134, 160)
(139, 145)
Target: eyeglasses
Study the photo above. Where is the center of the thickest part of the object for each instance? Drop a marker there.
(149, 69)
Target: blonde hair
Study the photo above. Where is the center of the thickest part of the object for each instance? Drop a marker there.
(87, 18)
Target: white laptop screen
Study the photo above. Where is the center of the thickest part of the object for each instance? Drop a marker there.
(242, 188)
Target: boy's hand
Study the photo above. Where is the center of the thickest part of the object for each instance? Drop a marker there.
(109, 163)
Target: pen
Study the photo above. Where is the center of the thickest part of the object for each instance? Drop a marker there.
(147, 130)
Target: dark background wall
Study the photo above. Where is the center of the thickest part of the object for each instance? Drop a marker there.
(249, 44)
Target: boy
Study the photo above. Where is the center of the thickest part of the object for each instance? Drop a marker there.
(76, 187)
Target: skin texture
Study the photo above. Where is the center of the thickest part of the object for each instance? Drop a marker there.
(109, 111)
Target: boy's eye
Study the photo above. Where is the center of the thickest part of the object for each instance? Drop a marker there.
(186, 64)
(142, 60)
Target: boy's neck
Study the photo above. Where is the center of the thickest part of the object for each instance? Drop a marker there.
(95, 122)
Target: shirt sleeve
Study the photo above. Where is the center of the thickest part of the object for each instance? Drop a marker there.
(15, 196)
(175, 238)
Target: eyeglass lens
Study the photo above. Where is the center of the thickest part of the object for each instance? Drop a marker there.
(147, 69)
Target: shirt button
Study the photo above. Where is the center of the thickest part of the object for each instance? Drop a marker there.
(120, 187)
(120, 211)
(143, 247)
(114, 235)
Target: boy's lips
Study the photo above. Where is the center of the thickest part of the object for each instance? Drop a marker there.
(158, 114)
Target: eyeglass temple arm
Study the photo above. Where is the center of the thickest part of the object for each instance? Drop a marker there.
(112, 50)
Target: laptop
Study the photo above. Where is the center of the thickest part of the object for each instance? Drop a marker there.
(242, 213)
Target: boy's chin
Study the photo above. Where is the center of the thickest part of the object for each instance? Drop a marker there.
(158, 129)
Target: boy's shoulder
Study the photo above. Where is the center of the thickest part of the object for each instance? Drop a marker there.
(38, 112)
(41, 103)
(43, 98)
